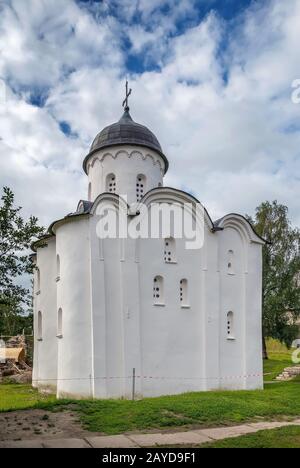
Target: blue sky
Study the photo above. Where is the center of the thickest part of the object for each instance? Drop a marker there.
(211, 78)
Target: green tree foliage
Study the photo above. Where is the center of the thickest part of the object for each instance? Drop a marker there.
(16, 236)
(14, 320)
(281, 271)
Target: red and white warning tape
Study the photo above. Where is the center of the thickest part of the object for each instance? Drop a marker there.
(144, 377)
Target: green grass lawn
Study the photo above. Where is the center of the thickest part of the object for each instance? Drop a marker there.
(14, 397)
(278, 400)
(202, 409)
(285, 437)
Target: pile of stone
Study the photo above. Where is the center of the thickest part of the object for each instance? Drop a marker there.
(289, 373)
(18, 341)
(12, 360)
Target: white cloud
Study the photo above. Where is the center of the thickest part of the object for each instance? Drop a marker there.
(222, 114)
(38, 161)
(41, 41)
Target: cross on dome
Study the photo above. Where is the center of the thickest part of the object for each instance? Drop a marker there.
(128, 93)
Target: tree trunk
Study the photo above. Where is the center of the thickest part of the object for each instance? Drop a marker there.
(265, 352)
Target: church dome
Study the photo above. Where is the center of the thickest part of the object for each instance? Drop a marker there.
(126, 132)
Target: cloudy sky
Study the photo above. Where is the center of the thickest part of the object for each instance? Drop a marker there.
(211, 78)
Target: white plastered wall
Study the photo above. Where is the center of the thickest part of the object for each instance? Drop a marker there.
(75, 376)
(45, 346)
(126, 164)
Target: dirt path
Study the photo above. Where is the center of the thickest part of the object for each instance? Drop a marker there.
(63, 437)
(32, 424)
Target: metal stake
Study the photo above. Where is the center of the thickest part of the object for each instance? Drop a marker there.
(133, 384)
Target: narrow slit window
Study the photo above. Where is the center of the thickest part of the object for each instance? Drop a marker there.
(170, 250)
(111, 183)
(230, 260)
(184, 293)
(38, 281)
(57, 268)
(158, 290)
(140, 187)
(90, 192)
(59, 323)
(40, 326)
(230, 325)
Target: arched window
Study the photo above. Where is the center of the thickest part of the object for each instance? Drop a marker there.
(158, 290)
(184, 293)
(170, 250)
(57, 268)
(40, 326)
(111, 184)
(230, 325)
(90, 192)
(230, 260)
(140, 187)
(59, 324)
(38, 281)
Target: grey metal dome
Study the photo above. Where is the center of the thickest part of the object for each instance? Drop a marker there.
(126, 131)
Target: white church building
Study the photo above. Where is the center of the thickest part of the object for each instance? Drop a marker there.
(181, 320)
